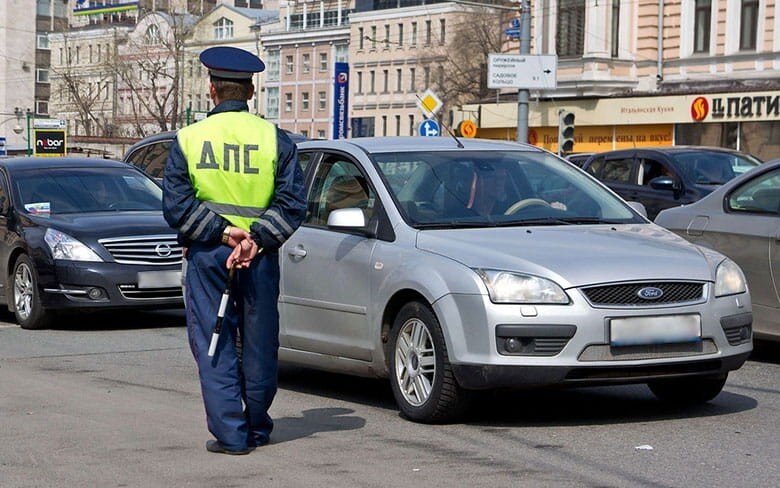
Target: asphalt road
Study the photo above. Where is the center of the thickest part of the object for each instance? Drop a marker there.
(113, 401)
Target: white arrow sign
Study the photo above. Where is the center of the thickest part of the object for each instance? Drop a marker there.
(522, 71)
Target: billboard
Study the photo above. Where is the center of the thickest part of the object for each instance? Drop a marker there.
(49, 143)
(340, 100)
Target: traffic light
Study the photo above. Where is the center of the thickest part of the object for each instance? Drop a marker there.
(565, 132)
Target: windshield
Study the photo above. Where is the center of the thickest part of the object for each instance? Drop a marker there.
(713, 168)
(84, 190)
(492, 188)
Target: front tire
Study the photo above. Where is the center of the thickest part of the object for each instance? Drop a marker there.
(421, 377)
(28, 310)
(688, 391)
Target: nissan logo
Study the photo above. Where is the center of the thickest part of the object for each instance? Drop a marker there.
(163, 250)
(650, 293)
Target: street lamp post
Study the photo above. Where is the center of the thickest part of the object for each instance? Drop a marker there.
(18, 112)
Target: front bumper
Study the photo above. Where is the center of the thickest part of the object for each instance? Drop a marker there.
(575, 348)
(66, 285)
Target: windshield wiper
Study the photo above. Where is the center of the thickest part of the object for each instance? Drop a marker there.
(452, 225)
(558, 221)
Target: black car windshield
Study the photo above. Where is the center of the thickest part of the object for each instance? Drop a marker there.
(84, 190)
(713, 167)
(494, 188)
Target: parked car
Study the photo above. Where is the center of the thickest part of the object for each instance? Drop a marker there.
(578, 159)
(454, 268)
(151, 153)
(83, 234)
(742, 220)
(666, 177)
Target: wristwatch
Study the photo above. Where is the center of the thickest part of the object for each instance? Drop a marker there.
(226, 235)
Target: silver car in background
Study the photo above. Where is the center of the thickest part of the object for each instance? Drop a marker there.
(742, 220)
(451, 267)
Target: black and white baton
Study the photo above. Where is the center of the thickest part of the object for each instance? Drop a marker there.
(221, 313)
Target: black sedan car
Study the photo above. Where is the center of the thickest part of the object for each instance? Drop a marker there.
(151, 153)
(665, 177)
(83, 234)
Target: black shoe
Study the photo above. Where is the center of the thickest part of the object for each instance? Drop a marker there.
(216, 447)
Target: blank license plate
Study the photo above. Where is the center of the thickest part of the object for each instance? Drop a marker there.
(159, 279)
(632, 331)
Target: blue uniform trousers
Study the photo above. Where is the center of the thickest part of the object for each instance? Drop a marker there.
(237, 394)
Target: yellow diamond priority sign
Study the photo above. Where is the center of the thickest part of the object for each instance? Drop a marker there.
(429, 103)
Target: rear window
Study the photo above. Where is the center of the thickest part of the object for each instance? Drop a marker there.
(713, 168)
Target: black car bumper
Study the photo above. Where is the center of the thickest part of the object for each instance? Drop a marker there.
(71, 284)
(479, 377)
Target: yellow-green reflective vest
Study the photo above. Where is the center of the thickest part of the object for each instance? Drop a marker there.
(231, 158)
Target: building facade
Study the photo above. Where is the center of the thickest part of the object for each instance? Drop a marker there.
(644, 72)
(396, 54)
(300, 55)
(25, 58)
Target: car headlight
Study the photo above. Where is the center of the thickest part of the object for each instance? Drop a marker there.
(64, 246)
(729, 279)
(506, 287)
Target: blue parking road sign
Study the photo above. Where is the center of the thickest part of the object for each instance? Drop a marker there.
(515, 23)
(429, 128)
(3, 150)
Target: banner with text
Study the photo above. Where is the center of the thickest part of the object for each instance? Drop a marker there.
(340, 101)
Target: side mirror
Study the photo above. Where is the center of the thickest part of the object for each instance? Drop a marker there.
(665, 183)
(638, 208)
(347, 219)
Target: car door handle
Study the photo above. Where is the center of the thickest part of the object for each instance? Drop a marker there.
(297, 252)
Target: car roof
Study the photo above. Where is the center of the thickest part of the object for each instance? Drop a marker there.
(673, 149)
(16, 164)
(411, 144)
(162, 136)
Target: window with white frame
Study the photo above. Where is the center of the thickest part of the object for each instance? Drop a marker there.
(305, 100)
(702, 19)
(223, 29)
(41, 107)
(615, 28)
(373, 37)
(413, 42)
(748, 28)
(306, 63)
(42, 75)
(272, 102)
(398, 80)
(323, 100)
(288, 102)
(323, 61)
(342, 53)
(152, 35)
(442, 30)
(42, 41)
(290, 65)
(272, 61)
(360, 82)
(400, 35)
(570, 33)
(320, 134)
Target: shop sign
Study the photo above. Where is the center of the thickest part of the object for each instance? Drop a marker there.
(605, 138)
(747, 107)
(49, 143)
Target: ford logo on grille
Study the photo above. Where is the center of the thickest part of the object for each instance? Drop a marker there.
(650, 293)
(164, 250)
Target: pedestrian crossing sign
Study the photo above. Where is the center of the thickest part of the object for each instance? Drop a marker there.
(429, 103)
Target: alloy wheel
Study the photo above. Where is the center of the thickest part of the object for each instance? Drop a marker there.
(415, 362)
(23, 291)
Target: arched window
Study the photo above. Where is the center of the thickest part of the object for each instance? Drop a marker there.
(223, 29)
(152, 35)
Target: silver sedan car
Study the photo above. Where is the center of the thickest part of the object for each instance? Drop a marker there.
(742, 220)
(451, 267)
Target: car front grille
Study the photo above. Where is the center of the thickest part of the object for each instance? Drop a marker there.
(132, 292)
(627, 294)
(161, 250)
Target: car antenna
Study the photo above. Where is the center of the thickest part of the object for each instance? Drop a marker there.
(438, 119)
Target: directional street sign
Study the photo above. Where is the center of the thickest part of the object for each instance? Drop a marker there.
(49, 124)
(522, 71)
(429, 128)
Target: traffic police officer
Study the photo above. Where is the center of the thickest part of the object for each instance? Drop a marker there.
(235, 192)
